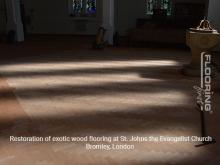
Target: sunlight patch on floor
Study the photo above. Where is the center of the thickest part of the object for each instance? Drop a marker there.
(53, 66)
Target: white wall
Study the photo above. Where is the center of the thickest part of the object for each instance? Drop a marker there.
(214, 16)
(53, 17)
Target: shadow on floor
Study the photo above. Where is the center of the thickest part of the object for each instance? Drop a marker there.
(143, 119)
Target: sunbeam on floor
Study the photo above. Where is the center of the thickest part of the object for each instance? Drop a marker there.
(108, 97)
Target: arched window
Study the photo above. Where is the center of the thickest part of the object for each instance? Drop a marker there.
(158, 4)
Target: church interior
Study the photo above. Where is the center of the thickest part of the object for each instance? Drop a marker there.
(107, 68)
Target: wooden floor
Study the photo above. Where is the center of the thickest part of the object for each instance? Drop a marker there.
(60, 87)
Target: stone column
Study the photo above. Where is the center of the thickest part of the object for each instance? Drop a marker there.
(14, 22)
(108, 20)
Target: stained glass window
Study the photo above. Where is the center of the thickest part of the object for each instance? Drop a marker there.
(150, 5)
(91, 7)
(158, 4)
(168, 6)
(77, 7)
(84, 7)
